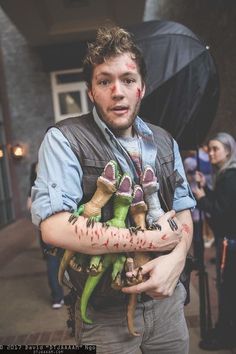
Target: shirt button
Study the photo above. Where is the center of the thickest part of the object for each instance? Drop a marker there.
(54, 185)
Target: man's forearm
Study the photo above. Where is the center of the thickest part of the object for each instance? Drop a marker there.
(99, 239)
(182, 248)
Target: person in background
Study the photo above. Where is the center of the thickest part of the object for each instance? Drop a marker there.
(52, 258)
(220, 203)
(190, 166)
(200, 160)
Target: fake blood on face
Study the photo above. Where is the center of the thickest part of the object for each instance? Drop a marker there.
(186, 228)
(138, 93)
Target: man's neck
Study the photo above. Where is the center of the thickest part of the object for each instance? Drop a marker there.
(126, 133)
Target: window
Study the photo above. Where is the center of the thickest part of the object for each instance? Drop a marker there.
(69, 94)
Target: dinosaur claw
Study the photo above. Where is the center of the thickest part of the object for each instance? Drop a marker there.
(72, 217)
(155, 226)
(74, 220)
(172, 224)
(118, 282)
(75, 266)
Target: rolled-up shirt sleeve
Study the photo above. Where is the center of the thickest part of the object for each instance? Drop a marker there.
(58, 184)
(183, 196)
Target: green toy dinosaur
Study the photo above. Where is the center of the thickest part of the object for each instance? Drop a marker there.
(122, 201)
(106, 186)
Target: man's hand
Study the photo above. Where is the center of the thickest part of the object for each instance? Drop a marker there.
(163, 275)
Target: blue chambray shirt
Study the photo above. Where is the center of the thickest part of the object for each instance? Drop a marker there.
(58, 184)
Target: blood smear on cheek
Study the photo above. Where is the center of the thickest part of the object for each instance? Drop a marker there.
(138, 94)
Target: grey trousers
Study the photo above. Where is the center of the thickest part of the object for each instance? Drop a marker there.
(161, 324)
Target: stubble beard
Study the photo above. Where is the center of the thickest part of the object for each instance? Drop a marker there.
(113, 127)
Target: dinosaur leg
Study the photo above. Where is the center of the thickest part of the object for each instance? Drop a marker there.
(132, 299)
(116, 276)
(138, 211)
(79, 262)
(95, 265)
(90, 285)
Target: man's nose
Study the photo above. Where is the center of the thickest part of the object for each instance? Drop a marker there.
(117, 90)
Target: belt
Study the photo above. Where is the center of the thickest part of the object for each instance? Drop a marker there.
(99, 303)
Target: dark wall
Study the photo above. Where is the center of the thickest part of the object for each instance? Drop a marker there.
(29, 97)
(215, 22)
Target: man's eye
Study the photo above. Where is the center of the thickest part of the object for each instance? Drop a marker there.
(129, 81)
(103, 82)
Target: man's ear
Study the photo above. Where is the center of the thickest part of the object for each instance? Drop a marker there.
(90, 94)
(143, 91)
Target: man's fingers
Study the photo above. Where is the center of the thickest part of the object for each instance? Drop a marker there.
(139, 288)
(156, 295)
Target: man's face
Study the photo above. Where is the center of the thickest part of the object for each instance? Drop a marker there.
(116, 91)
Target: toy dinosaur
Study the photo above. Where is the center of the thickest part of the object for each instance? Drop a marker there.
(106, 186)
(151, 187)
(142, 213)
(138, 211)
(122, 201)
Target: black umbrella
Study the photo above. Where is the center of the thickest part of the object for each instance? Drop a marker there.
(182, 82)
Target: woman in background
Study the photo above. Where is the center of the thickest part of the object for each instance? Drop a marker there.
(220, 203)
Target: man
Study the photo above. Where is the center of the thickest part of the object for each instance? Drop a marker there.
(70, 160)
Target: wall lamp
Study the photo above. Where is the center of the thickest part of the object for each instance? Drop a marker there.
(1, 153)
(17, 151)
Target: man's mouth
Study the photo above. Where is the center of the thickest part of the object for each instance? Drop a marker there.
(120, 109)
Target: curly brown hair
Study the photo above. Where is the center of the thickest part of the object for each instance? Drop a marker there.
(110, 42)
